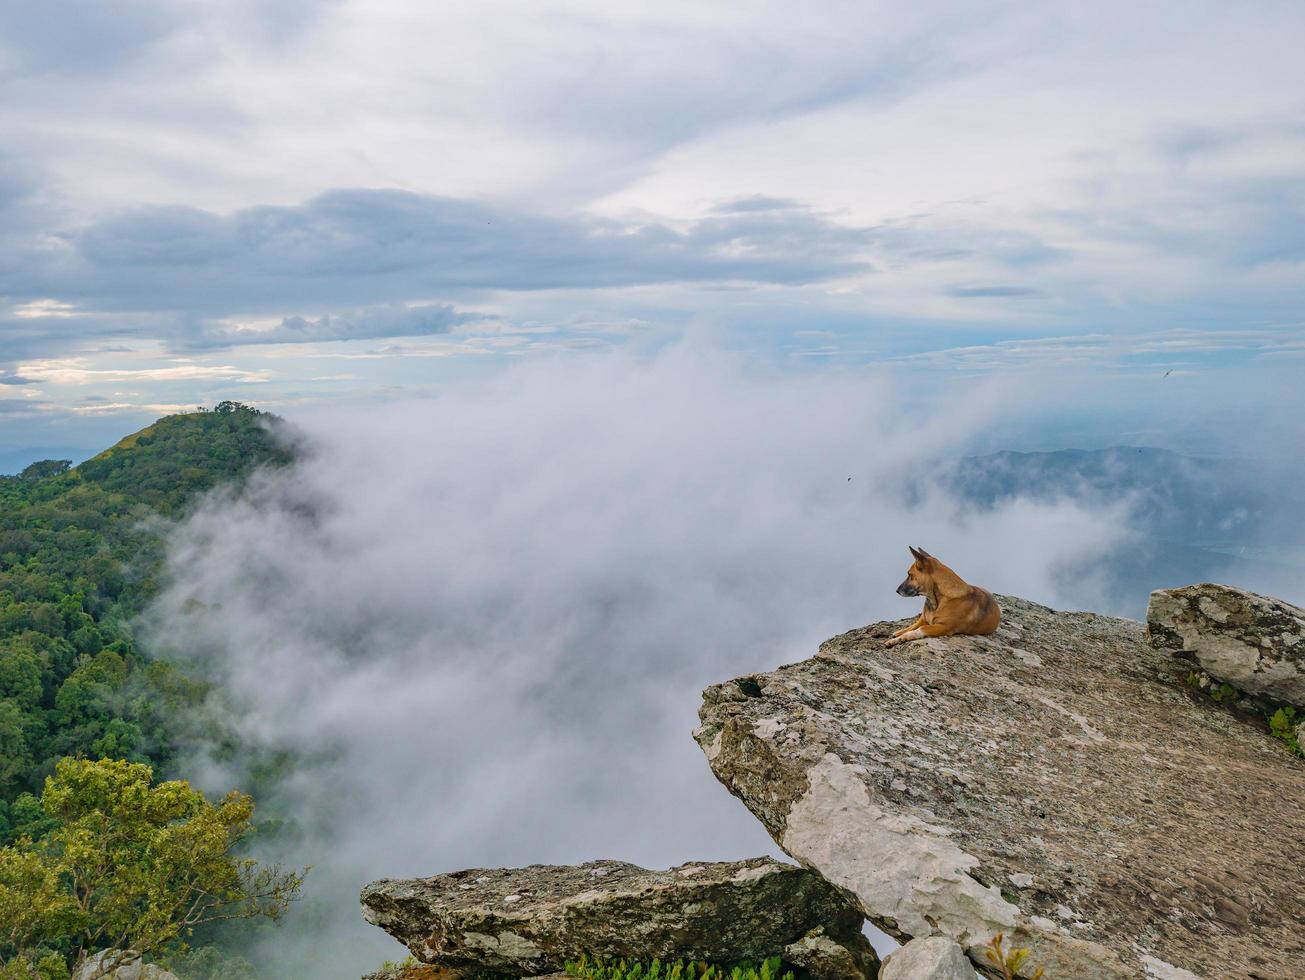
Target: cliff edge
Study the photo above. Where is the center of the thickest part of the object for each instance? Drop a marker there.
(1057, 781)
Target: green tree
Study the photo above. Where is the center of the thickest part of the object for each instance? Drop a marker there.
(20, 676)
(15, 756)
(45, 468)
(130, 865)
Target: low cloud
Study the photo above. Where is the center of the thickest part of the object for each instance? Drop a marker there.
(758, 202)
(1145, 351)
(487, 617)
(385, 321)
(78, 371)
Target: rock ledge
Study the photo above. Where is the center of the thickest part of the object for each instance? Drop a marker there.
(1053, 781)
(530, 921)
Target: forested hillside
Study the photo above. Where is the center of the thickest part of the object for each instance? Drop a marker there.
(103, 849)
(79, 556)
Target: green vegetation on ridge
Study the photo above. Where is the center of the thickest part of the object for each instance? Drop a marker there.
(81, 551)
(78, 560)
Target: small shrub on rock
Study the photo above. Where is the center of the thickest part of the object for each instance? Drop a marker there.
(1285, 724)
(1008, 963)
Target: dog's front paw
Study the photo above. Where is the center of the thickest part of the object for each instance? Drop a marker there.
(892, 641)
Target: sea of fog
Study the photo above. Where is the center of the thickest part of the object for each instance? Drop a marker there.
(480, 623)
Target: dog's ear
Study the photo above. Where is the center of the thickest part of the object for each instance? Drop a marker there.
(917, 555)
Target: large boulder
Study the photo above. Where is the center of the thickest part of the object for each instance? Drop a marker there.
(1055, 781)
(1251, 642)
(927, 958)
(529, 921)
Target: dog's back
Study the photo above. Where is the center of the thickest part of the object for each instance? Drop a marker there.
(977, 615)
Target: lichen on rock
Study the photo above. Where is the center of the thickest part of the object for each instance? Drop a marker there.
(1251, 642)
(530, 921)
(827, 956)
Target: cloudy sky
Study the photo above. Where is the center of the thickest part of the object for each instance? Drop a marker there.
(295, 202)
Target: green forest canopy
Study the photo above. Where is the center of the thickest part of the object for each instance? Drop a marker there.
(79, 558)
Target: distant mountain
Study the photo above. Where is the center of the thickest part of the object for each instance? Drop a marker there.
(1197, 518)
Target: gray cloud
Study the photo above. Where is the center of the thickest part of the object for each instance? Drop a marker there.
(758, 202)
(76, 36)
(366, 246)
(377, 322)
(351, 265)
(980, 292)
(944, 237)
(490, 614)
(1206, 200)
(38, 336)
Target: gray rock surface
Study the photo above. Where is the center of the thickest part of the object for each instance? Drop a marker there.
(1160, 831)
(927, 958)
(1251, 642)
(130, 969)
(528, 921)
(828, 957)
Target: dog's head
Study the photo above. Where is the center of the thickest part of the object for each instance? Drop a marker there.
(918, 575)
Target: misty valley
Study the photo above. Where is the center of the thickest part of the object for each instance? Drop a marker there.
(417, 662)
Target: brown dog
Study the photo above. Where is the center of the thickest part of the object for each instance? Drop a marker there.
(950, 605)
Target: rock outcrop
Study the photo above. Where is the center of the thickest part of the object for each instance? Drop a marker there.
(1055, 781)
(927, 958)
(1251, 642)
(826, 955)
(529, 921)
(130, 967)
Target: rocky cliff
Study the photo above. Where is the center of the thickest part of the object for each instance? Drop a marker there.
(1057, 781)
